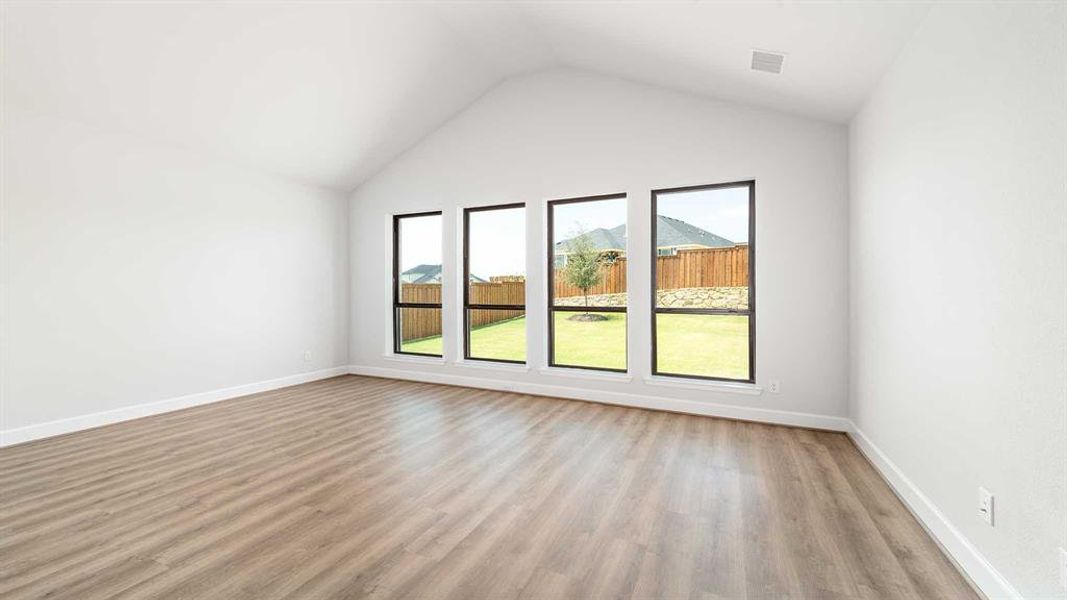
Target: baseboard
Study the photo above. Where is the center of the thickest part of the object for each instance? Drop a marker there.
(729, 411)
(974, 565)
(28, 433)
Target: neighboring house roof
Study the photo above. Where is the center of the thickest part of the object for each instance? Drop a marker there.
(428, 274)
(670, 233)
(601, 239)
(674, 232)
(422, 274)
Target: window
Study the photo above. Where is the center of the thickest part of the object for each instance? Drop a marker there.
(587, 283)
(417, 284)
(703, 316)
(666, 251)
(494, 295)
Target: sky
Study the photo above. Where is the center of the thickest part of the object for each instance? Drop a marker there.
(420, 241)
(498, 237)
(498, 242)
(723, 212)
(570, 219)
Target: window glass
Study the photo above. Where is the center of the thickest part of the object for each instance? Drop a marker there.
(702, 248)
(702, 270)
(587, 316)
(599, 344)
(498, 335)
(420, 330)
(702, 345)
(495, 297)
(417, 275)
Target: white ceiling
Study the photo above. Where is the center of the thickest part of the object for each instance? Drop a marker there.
(329, 93)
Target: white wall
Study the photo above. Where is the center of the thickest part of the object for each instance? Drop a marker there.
(135, 272)
(958, 262)
(565, 133)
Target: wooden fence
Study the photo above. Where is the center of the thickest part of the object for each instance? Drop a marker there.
(419, 323)
(705, 267)
(503, 292)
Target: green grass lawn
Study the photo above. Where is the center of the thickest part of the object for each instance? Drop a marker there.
(706, 345)
(591, 343)
(503, 340)
(712, 346)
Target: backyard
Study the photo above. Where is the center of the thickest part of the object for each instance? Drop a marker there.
(713, 346)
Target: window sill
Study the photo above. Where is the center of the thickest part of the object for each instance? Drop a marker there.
(579, 373)
(748, 389)
(411, 358)
(492, 366)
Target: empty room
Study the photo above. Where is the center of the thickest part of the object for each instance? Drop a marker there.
(533, 300)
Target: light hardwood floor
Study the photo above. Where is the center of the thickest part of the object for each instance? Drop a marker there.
(362, 487)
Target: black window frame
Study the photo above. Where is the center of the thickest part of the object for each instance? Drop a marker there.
(750, 312)
(467, 306)
(397, 304)
(552, 309)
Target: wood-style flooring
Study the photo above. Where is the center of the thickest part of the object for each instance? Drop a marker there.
(360, 487)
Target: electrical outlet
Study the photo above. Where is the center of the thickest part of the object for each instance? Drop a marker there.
(1063, 568)
(774, 386)
(307, 355)
(985, 505)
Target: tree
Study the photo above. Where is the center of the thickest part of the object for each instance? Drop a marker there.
(584, 264)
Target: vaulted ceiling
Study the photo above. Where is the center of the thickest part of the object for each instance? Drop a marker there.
(328, 93)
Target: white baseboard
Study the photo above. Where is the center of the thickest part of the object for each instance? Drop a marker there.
(52, 428)
(981, 573)
(729, 411)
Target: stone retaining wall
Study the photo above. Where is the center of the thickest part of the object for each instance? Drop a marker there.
(594, 300)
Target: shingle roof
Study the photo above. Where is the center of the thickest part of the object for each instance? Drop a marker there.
(429, 274)
(601, 239)
(670, 232)
(674, 232)
(422, 274)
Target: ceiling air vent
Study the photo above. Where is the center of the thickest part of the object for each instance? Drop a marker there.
(771, 62)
